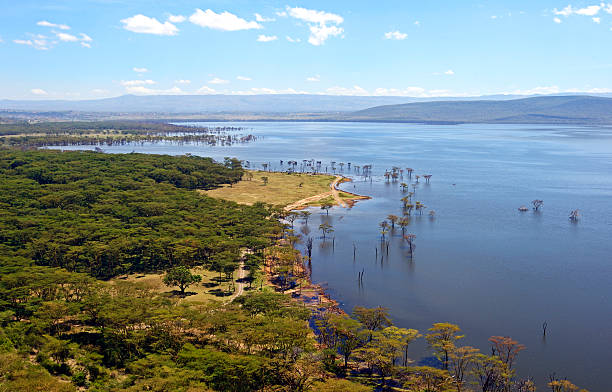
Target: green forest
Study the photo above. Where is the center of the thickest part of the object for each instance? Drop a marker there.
(71, 221)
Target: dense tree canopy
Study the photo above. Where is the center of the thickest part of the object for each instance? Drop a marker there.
(110, 214)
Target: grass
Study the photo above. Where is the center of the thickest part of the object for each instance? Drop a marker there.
(210, 288)
(282, 188)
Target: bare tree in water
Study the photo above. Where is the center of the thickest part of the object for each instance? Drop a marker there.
(537, 204)
(309, 247)
(410, 238)
(574, 215)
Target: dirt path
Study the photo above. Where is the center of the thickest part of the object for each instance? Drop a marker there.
(240, 282)
(333, 192)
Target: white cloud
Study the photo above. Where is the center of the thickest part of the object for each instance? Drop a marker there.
(85, 37)
(218, 81)
(590, 10)
(130, 83)
(85, 45)
(266, 38)
(262, 19)
(406, 92)
(206, 90)
(38, 91)
(597, 20)
(355, 90)
(66, 37)
(282, 14)
(245, 78)
(38, 42)
(315, 78)
(142, 90)
(396, 35)
(45, 23)
(320, 33)
(266, 90)
(293, 39)
(140, 70)
(176, 18)
(557, 20)
(183, 81)
(145, 25)
(417, 23)
(314, 16)
(318, 24)
(493, 16)
(99, 91)
(224, 21)
(545, 90)
(449, 72)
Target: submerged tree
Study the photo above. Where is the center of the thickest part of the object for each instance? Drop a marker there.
(305, 215)
(181, 277)
(537, 204)
(325, 228)
(393, 219)
(574, 215)
(326, 206)
(410, 239)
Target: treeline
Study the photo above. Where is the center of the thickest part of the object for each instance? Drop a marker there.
(84, 127)
(109, 214)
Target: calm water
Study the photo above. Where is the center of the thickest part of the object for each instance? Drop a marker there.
(479, 263)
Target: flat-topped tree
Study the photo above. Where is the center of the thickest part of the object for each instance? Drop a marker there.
(305, 215)
(427, 177)
(393, 219)
(325, 228)
(291, 217)
(181, 276)
(326, 206)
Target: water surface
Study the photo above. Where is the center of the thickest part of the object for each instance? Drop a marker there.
(479, 263)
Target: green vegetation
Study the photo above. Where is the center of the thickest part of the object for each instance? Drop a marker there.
(113, 132)
(70, 220)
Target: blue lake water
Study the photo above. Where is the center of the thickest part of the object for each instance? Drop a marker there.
(479, 263)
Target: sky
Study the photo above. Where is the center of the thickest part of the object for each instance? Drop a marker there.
(87, 49)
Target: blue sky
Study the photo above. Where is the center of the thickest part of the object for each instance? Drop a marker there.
(77, 49)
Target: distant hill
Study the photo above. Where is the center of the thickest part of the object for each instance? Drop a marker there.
(192, 104)
(545, 109)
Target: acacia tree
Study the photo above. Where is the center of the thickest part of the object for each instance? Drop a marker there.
(326, 206)
(441, 338)
(305, 215)
(404, 337)
(181, 276)
(373, 319)
(393, 219)
(460, 360)
(291, 217)
(506, 349)
(403, 223)
(325, 228)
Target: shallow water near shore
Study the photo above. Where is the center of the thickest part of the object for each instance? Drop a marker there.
(479, 263)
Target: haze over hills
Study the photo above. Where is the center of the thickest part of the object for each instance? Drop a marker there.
(561, 109)
(545, 109)
(262, 103)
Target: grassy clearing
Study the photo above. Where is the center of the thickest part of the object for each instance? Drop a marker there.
(210, 288)
(282, 189)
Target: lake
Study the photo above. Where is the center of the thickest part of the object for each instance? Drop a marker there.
(479, 263)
